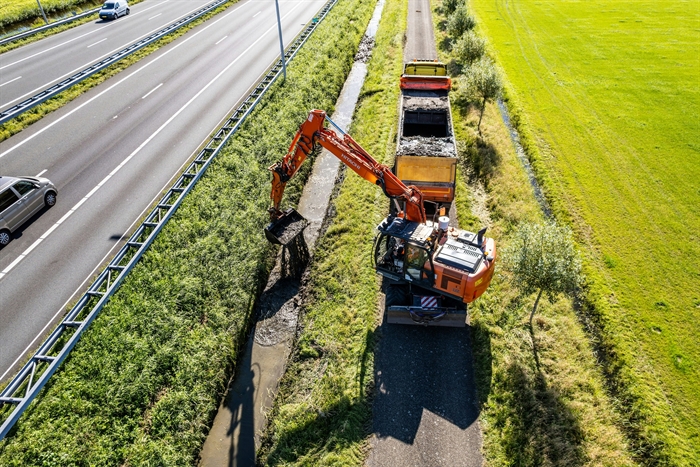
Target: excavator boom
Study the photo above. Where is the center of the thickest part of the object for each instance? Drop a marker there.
(311, 133)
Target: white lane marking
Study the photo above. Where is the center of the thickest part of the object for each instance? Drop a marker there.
(62, 308)
(89, 101)
(150, 8)
(256, 14)
(153, 17)
(49, 49)
(97, 42)
(159, 195)
(82, 67)
(41, 173)
(217, 43)
(138, 149)
(11, 81)
(149, 92)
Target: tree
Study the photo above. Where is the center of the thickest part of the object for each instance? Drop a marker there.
(449, 6)
(543, 259)
(469, 48)
(460, 22)
(482, 84)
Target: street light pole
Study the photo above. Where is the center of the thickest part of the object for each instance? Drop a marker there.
(279, 28)
(42, 11)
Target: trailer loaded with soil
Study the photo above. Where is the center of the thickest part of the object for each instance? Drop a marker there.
(431, 270)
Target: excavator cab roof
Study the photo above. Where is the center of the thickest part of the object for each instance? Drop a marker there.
(408, 231)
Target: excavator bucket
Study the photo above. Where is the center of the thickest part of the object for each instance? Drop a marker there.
(286, 228)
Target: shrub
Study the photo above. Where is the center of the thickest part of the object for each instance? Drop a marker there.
(469, 48)
(460, 22)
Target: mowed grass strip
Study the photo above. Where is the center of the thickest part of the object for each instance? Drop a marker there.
(607, 95)
(143, 385)
(322, 415)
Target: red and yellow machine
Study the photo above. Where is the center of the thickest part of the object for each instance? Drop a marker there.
(432, 270)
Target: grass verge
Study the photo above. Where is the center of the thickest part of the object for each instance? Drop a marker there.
(322, 414)
(143, 385)
(558, 413)
(35, 114)
(587, 83)
(15, 13)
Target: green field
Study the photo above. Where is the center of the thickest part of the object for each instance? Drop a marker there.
(608, 96)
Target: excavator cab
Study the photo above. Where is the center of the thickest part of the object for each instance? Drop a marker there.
(402, 252)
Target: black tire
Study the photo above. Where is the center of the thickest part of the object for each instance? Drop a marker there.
(50, 199)
(116, 15)
(395, 295)
(128, 11)
(5, 237)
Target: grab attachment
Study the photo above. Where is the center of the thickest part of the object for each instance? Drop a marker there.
(285, 228)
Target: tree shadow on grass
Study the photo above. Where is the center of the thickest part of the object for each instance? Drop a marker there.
(533, 423)
(537, 427)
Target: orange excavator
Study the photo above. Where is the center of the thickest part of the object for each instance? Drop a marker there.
(431, 270)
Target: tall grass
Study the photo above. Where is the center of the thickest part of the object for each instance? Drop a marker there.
(142, 386)
(607, 98)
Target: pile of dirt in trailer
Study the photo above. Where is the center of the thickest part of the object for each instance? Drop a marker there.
(426, 146)
(364, 52)
(425, 100)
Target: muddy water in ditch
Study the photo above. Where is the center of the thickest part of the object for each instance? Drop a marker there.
(520, 151)
(235, 434)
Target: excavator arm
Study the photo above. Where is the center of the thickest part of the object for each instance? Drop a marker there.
(312, 132)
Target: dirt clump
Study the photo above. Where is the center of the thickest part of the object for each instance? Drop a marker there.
(364, 51)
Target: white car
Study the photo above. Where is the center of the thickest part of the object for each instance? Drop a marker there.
(20, 199)
(113, 10)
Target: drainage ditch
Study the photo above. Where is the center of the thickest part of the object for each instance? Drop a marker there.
(235, 434)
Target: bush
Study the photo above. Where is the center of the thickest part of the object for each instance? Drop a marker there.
(449, 6)
(460, 22)
(481, 84)
(469, 48)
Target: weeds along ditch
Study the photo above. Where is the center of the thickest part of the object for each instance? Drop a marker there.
(143, 384)
(587, 81)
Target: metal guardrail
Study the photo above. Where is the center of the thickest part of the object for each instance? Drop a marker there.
(46, 27)
(27, 384)
(46, 94)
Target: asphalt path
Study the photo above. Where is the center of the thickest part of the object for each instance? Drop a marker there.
(426, 407)
(113, 150)
(30, 69)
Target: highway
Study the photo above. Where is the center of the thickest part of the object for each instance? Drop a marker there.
(113, 150)
(27, 70)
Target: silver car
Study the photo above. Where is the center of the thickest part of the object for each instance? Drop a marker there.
(20, 199)
(115, 9)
